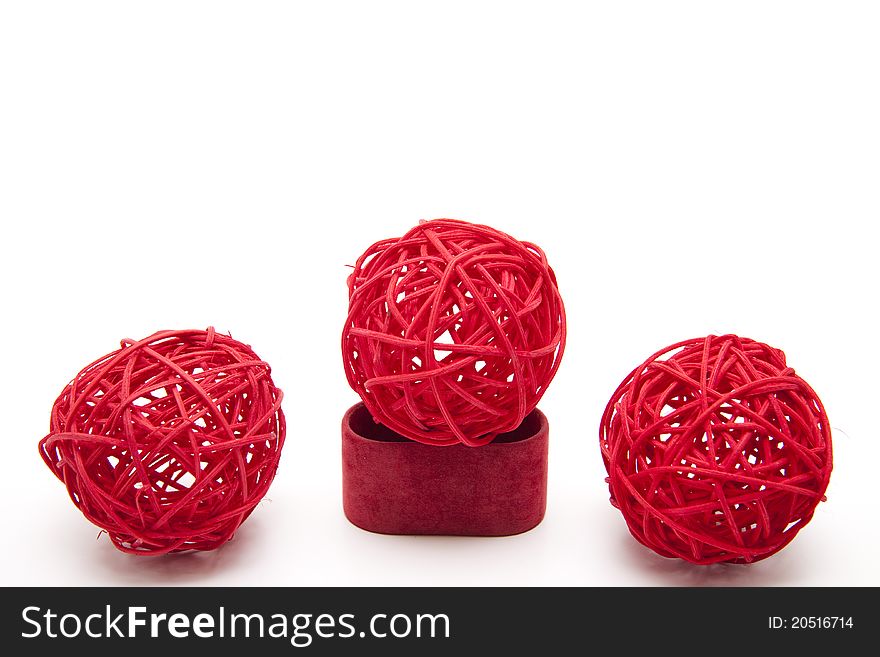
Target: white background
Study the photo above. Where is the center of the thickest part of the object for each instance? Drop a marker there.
(689, 167)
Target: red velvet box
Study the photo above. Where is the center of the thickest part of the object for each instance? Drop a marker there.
(393, 485)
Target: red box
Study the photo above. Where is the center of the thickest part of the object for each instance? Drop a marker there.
(392, 485)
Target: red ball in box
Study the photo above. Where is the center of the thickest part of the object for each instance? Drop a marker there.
(454, 332)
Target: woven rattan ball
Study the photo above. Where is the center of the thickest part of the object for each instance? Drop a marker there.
(454, 332)
(716, 451)
(170, 442)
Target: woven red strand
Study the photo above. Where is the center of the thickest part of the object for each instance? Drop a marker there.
(170, 442)
(716, 450)
(454, 332)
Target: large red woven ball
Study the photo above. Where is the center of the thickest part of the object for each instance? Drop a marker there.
(454, 332)
(716, 450)
(170, 442)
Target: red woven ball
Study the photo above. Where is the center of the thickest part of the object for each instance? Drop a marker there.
(454, 332)
(716, 450)
(170, 442)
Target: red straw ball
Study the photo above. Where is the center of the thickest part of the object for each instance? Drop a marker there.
(716, 451)
(454, 332)
(170, 442)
